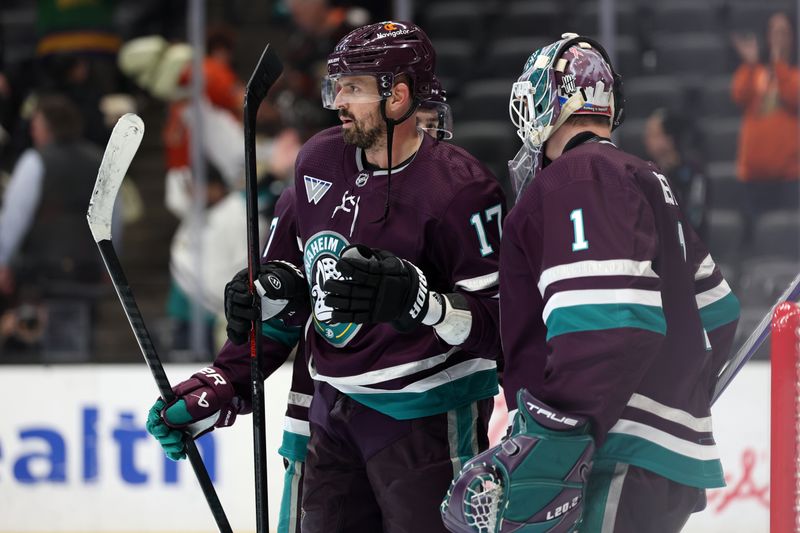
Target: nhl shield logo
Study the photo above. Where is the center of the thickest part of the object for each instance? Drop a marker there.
(316, 188)
(320, 255)
(362, 178)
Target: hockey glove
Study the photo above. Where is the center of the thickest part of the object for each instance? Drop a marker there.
(377, 286)
(202, 402)
(282, 288)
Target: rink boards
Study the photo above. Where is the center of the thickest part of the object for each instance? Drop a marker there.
(74, 455)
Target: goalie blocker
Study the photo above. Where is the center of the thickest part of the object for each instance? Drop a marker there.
(535, 478)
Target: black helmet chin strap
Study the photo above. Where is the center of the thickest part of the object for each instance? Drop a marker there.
(390, 124)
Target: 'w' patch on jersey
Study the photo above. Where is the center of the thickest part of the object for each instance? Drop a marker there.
(316, 188)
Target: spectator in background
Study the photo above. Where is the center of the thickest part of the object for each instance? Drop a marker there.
(318, 26)
(43, 227)
(224, 252)
(77, 50)
(73, 75)
(769, 159)
(223, 89)
(45, 243)
(675, 145)
(275, 167)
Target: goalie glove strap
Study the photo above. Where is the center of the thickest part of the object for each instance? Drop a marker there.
(450, 316)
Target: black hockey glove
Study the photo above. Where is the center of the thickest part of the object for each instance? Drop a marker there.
(377, 286)
(282, 288)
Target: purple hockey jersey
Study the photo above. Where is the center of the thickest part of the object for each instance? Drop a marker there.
(613, 309)
(445, 216)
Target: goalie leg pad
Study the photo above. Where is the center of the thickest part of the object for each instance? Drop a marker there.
(533, 481)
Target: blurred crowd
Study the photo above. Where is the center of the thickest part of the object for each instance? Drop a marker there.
(81, 65)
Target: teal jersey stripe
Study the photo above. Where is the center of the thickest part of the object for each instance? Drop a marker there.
(465, 422)
(280, 332)
(671, 465)
(723, 311)
(453, 394)
(294, 446)
(593, 317)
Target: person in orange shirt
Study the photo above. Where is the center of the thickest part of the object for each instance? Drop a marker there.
(768, 162)
(223, 89)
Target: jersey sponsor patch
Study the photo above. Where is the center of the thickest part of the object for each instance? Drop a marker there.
(315, 188)
(320, 255)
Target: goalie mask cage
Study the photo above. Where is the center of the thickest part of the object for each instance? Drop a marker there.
(785, 420)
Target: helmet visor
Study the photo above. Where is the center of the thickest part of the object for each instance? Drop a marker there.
(344, 89)
(435, 119)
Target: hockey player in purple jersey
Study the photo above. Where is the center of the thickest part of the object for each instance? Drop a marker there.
(395, 240)
(435, 118)
(614, 319)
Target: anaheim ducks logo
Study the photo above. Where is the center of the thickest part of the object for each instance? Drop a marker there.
(320, 255)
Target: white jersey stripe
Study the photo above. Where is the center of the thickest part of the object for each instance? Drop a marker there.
(383, 374)
(670, 413)
(705, 269)
(452, 373)
(479, 283)
(299, 427)
(600, 296)
(702, 452)
(584, 269)
(713, 295)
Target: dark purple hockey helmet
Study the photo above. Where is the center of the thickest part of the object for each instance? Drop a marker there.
(383, 50)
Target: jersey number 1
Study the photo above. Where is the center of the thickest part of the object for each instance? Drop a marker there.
(580, 242)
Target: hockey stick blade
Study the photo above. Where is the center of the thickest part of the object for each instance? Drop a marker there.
(267, 71)
(121, 147)
(753, 342)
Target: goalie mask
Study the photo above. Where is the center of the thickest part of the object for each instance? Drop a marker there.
(572, 76)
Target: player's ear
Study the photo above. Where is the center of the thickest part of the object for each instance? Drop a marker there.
(400, 100)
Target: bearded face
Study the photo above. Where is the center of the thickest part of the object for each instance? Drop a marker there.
(363, 128)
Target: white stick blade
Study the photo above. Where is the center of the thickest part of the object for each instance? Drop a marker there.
(121, 147)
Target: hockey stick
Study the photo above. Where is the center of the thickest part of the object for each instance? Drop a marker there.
(753, 342)
(267, 71)
(122, 146)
